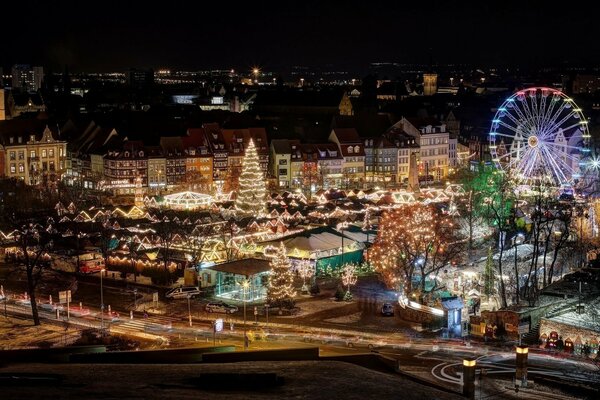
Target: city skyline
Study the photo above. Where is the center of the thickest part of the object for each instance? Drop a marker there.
(274, 36)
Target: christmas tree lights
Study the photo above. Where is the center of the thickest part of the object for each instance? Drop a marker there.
(413, 240)
(280, 292)
(252, 189)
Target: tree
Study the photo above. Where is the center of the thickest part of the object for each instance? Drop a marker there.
(280, 291)
(415, 239)
(349, 278)
(252, 189)
(488, 275)
(21, 207)
(311, 176)
(306, 271)
(498, 212)
(166, 231)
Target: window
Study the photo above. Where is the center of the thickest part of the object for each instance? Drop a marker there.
(21, 155)
(350, 149)
(60, 152)
(13, 168)
(32, 153)
(356, 149)
(44, 166)
(51, 153)
(282, 162)
(12, 156)
(32, 138)
(44, 153)
(51, 165)
(21, 167)
(12, 140)
(282, 171)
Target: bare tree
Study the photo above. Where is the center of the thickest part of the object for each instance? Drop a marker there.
(22, 206)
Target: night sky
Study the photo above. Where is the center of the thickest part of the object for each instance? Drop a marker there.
(115, 35)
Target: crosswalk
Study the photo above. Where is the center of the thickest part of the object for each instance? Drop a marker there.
(149, 324)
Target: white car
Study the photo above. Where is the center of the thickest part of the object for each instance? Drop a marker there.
(52, 307)
(182, 292)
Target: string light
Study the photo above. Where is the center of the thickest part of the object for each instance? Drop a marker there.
(252, 190)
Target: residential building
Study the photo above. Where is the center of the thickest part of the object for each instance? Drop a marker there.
(33, 154)
(157, 169)
(199, 162)
(297, 166)
(381, 161)
(330, 164)
(281, 161)
(172, 148)
(27, 78)
(216, 146)
(353, 151)
(124, 166)
(406, 145)
(433, 140)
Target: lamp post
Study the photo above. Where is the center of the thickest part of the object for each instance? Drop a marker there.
(517, 240)
(189, 296)
(340, 228)
(245, 285)
(101, 303)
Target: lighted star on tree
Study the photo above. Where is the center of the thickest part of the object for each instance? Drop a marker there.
(252, 188)
(280, 291)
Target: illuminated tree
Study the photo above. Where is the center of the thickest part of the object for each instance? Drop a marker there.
(252, 189)
(280, 292)
(414, 241)
(349, 278)
(311, 177)
(306, 271)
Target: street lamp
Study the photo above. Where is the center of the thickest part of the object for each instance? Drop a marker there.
(245, 285)
(340, 228)
(517, 240)
(189, 296)
(101, 303)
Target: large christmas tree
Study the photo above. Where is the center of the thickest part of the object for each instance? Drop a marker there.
(252, 189)
(280, 292)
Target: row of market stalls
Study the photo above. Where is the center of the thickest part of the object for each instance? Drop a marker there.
(325, 247)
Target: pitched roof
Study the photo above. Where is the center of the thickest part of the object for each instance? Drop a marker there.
(283, 146)
(347, 135)
(246, 267)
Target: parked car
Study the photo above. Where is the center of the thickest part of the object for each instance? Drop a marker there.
(182, 292)
(52, 306)
(387, 310)
(220, 307)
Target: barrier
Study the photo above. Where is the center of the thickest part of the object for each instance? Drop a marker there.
(300, 354)
(168, 356)
(52, 355)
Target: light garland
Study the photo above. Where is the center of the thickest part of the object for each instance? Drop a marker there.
(281, 281)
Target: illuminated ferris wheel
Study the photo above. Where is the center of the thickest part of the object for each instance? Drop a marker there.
(540, 135)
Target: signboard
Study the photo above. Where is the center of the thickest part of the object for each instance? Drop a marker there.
(219, 325)
(523, 329)
(64, 296)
